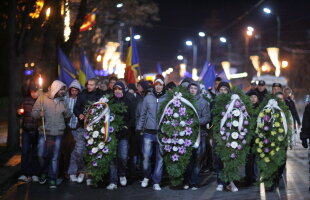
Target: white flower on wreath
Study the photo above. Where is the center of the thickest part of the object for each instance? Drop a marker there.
(235, 123)
(94, 150)
(182, 123)
(236, 113)
(234, 145)
(101, 145)
(90, 141)
(242, 133)
(102, 130)
(175, 148)
(181, 141)
(168, 122)
(182, 133)
(176, 115)
(111, 118)
(89, 128)
(95, 134)
(169, 141)
(222, 132)
(235, 135)
(104, 100)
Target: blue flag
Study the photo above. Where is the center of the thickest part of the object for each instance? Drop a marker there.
(66, 71)
(222, 74)
(159, 69)
(209, 77)
(86, 67)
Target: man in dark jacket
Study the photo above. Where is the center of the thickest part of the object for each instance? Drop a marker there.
(29, 158)
(122, 137)
(305, 129)
(291, 105)
(261, 90)
(148, 121)
(191, 177)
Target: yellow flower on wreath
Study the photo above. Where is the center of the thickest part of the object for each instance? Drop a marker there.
(260, 125)
(259, 150)
(277, 124)
(267, 110)
(272, 153)
(262, 155)
(273, 133)
(261, 115)
(273, 144)
(281, 130)
(278, 148)
(267, 160)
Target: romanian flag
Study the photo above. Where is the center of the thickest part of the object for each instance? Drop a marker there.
(89, 21)
(132, 61)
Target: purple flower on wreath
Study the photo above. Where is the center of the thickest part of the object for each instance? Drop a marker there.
(105, 150)
(169, 111)
(168, 148)
(266, 128)
(246, 122)
(174, 141)
(175, 157)
(267, 118)
(182, 150)
(227, 106)
(86, 135)
(182, 111)
(266, 141)
(190, 121)
(222, 129)
(228, 125)
(224, 137)
(188, 131)
(243, 141)
(245, 130)
(239, 147)
(164, 140)
(99, 156)
(90, 153)
(109, 139)
(175, 123)
(241, 137)
(111, 129)
(87, 144)
(227, 144)
(237, 104)
(95, 164)
(227, 134)
(266, 150)
(177, 103)
(243, 108)
(223, 113)
(187, 143)
(245, 114)
(229, 115)
(175, 134)
(233, 155)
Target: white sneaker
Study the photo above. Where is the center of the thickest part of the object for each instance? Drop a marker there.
(73, 178)
(156, 187)
(112, 186)
(232, 187)
(219, 188)
(35, 179)
(23, 178)
(186, 187)
(123, 180)
(194, 188)
(88, 182)
(80, 178)
(145, 182)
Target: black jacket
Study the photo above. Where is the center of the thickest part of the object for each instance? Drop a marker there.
(305, 129)
(291, 105)
(261, 95)
(29, 123)
(85, 99)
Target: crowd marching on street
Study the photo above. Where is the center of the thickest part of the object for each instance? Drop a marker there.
(111, 130)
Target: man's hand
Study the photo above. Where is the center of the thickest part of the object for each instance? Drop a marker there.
(81, 117)
(304, 143)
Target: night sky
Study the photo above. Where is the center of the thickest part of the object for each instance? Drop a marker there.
(182, 20)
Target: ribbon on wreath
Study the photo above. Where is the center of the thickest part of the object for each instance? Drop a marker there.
(105, 113)
(178, 96)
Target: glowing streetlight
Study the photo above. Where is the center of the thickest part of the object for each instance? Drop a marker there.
(180, 57)
(127, 39)
(137, 37)
(48, 13)
(267, 10)
(119, 5)
(284, 64)
(189, 43)
(99, 58)
(223, 39)
(201, 34)
(250, 28)
(249, 33)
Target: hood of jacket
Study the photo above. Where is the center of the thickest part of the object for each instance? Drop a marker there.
(76, 84)
(55, 87)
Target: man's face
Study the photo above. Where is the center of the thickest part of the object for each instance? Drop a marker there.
(112, 83)
(139, 88)
(91, 86)
(34, 94)
(193, 89)
(103, 87)
(216, 84)
(254, 99)
(261, 88)
(287, 93)
(223, 90)
(276, 89)
(253, 86)
(281, 97)
(118, 92)
(61, 92)
(159, 87)
(74, 92)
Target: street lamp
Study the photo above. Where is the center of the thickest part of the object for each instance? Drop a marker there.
(250, 28)
(180, 57)
(127, 39)
(137, 37)
(269, 12)
(119, 5)
(190, 43)
(223, 39)
(201, 34)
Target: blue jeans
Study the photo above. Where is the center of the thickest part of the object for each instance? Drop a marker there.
(118, 166)
(29, 160)
(77, 163)
(149, 142)
(48, 152)
(193, 168)
(218, 166)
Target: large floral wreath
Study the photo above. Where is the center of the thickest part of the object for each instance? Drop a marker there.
(102, 121)
(179, 133)
(271, 138)
(232, 132)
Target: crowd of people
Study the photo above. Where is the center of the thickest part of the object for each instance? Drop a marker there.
(45, 152)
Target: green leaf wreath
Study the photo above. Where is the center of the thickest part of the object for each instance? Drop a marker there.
(271, 140)
(232, 141)
(179, 131)
(99, 153)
